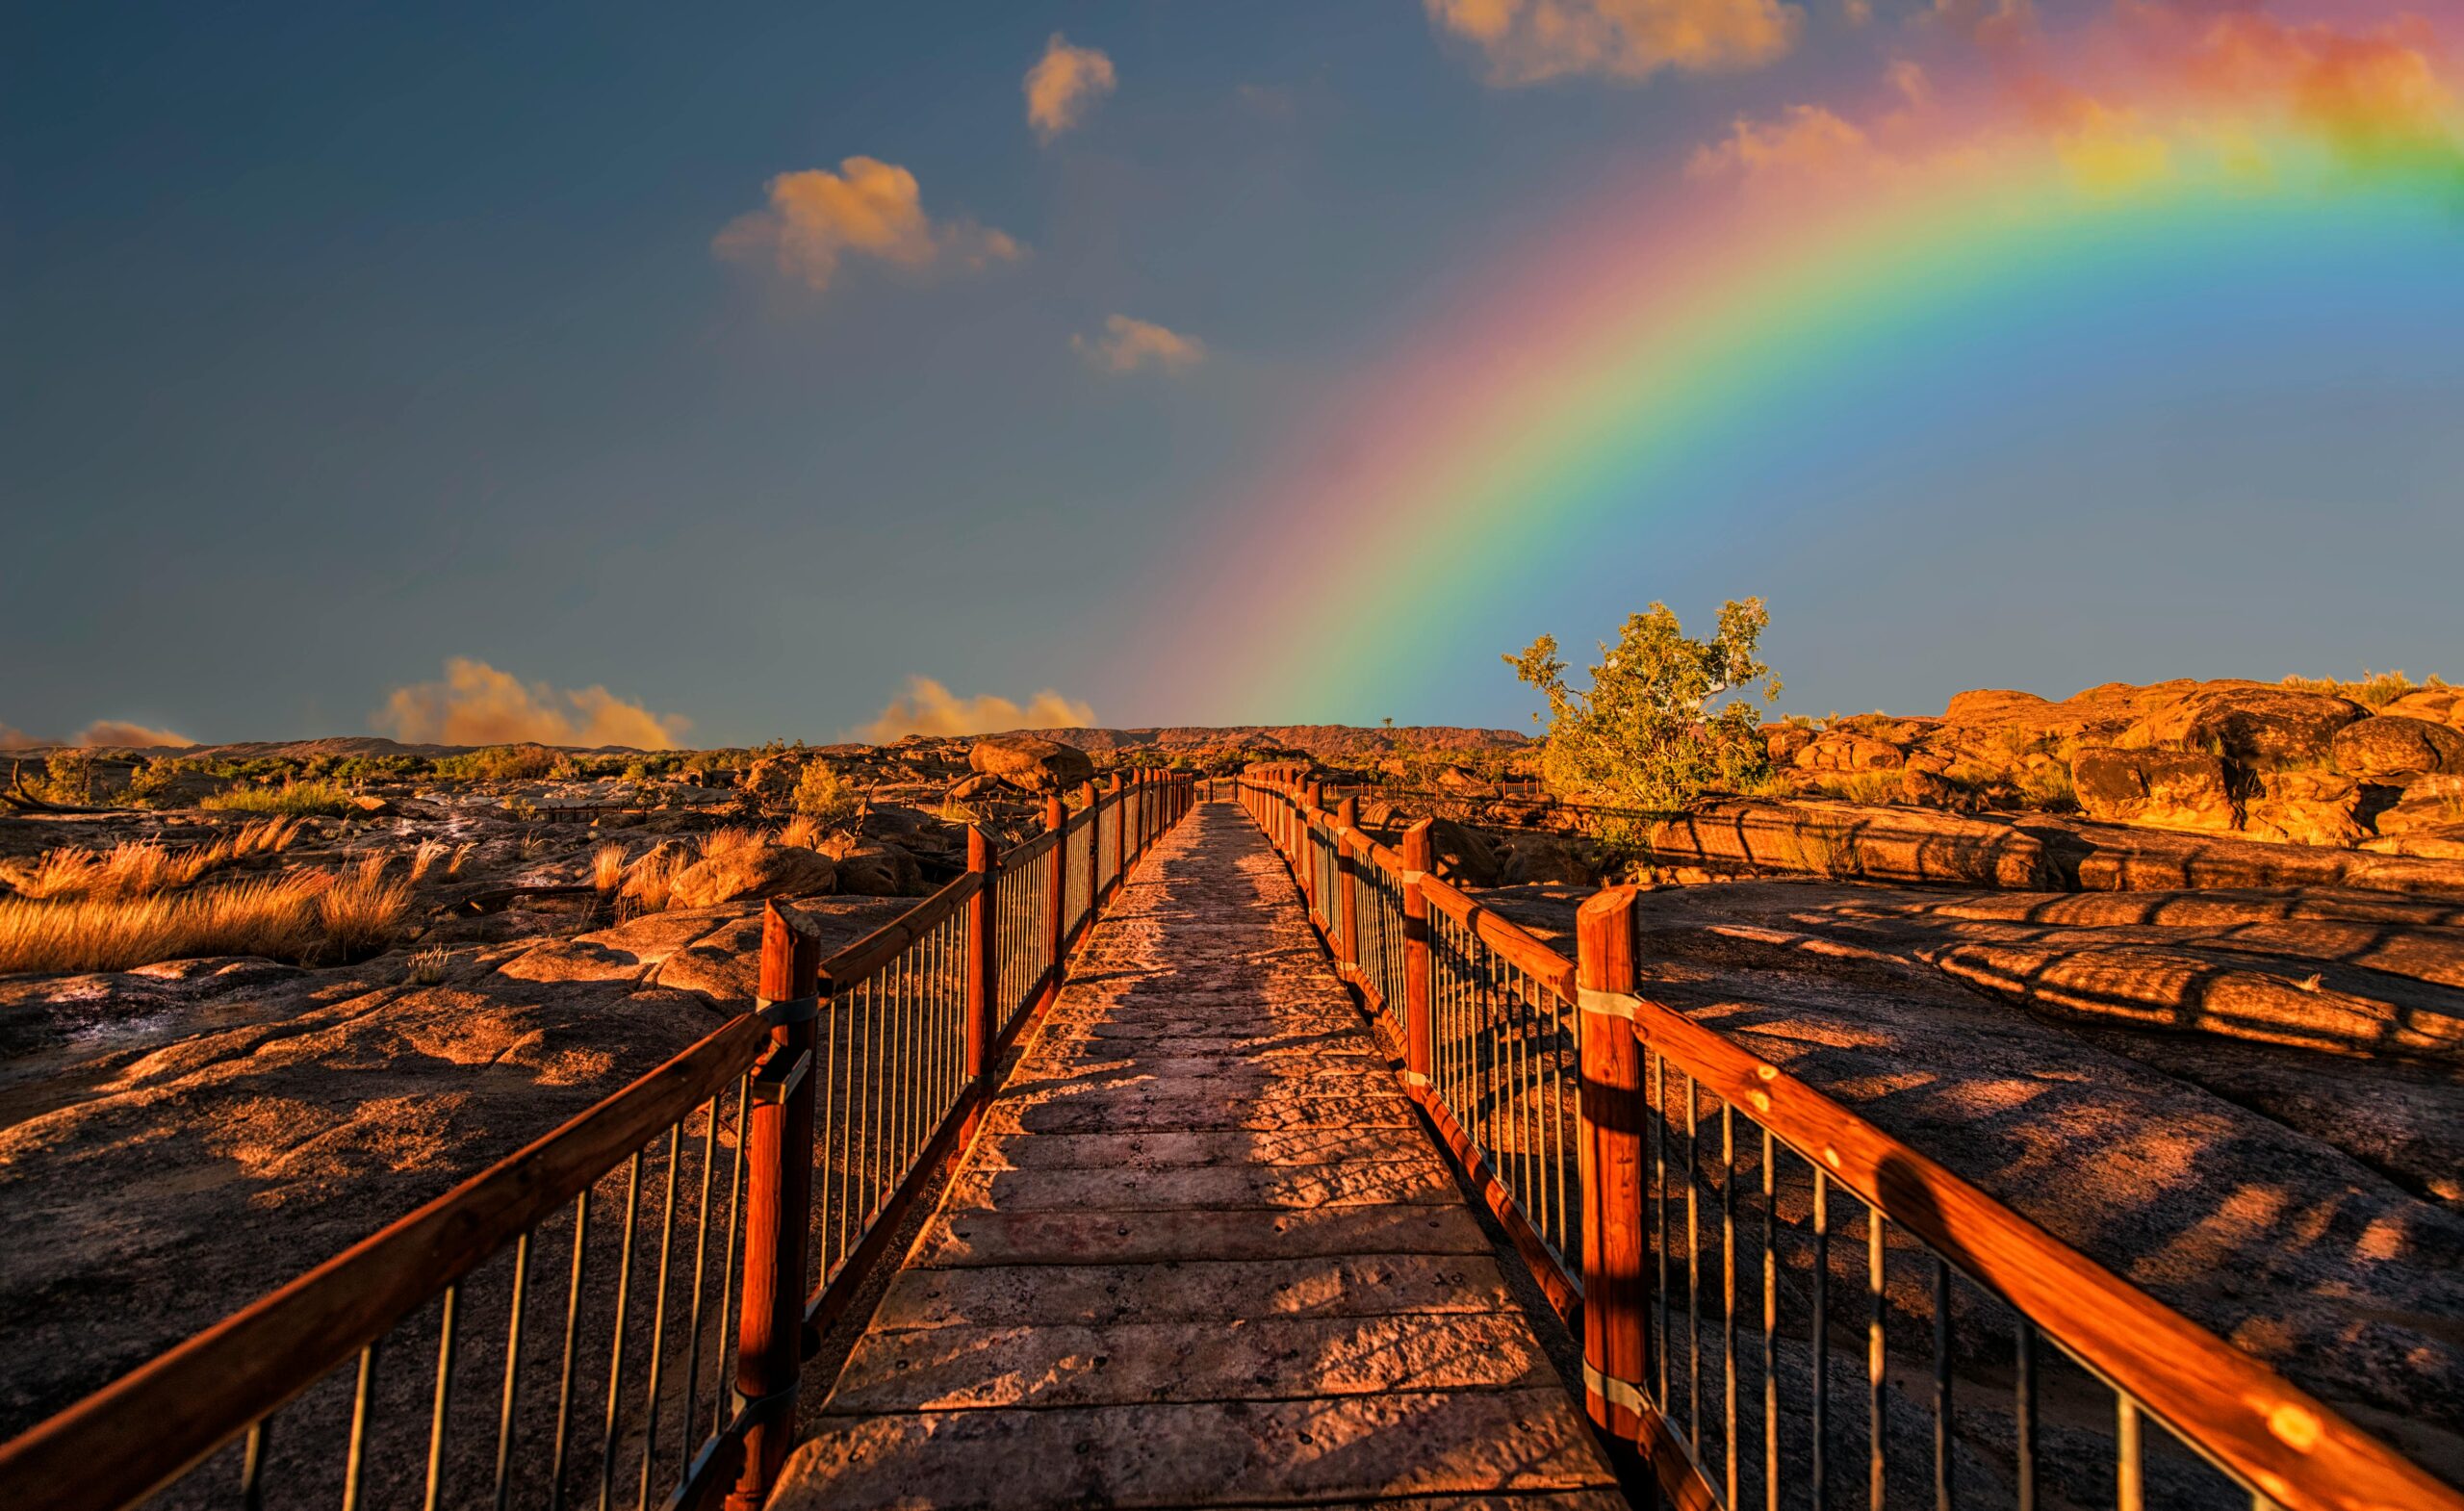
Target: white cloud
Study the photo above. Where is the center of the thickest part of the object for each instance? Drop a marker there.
(1064, 85)
(868, 207)
(1128, 345)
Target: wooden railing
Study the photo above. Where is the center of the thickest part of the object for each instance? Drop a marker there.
(1628, 1152)
(761, 1175)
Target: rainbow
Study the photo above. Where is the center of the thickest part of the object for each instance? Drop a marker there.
(1681, 326)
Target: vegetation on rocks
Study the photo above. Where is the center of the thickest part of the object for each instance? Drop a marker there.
(1643, 735)
(295, 799)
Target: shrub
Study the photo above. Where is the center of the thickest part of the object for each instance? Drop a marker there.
(1642, 735)
(295, 799)
(497, 763)
(822, 794)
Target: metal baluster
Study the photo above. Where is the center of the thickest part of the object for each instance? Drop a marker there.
(252, 1466)
(616, 1347)
(1821, 1334)
(720, 1357)
(444, 1396)
(512, 1368)
(2025, 1409)
(1660, 1130)
(1728, 1289)
(701, 1270)
(1941, 1385)
(1770, 1325)
(2130, 1486)
(1693, 1271)
(1876, 1464)
(356, 1459)
(573, 1323)
(658, 1320)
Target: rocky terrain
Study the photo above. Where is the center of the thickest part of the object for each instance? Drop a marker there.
(2176, 970)
(179, 1136)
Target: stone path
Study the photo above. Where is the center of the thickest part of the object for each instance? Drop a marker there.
(1201, 1255)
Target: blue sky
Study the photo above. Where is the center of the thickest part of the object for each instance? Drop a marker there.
(339, 341)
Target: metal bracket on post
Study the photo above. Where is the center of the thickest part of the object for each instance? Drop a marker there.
(1609, 1003)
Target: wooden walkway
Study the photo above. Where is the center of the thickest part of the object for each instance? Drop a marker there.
(1201, 1255)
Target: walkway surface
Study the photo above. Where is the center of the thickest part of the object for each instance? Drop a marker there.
(1202, 1255)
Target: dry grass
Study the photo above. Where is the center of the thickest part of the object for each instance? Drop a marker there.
(461, 852)
(296, 799)
(301, 915)
(427, 967)
(728, 840)
(652, 878)
(1859, 786)
(143, 868)
(2374, 691)
(424, 857)
(607, 866)
(802, 832)
(531, 845)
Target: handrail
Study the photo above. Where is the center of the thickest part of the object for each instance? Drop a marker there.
(146, 1429)
(2293, 1448)
(928, 996)
(877, 949)
(1638, 1160)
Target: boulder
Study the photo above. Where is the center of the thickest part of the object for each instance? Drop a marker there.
(1031, 762)
(1545, 857)
(873, 867)
(2304, 808)
(1464, 856)
(764, 870)
(367, 805)
(974, 787)
(2430, 803)
(1454, 778)
(1780, 742)
(1925, 784)
(2251, 723)
(2396, 746)
(1836, 750)
(2437, 705)
(2172, 789)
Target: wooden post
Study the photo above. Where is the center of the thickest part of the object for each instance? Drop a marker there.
(1056, 817)
(1120, 835)
(778, 1209)
(1420, 1023)
(1346, 907)
(983, 962)
(1616, 1339)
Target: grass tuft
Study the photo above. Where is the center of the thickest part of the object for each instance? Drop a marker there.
(301, 915)
(607, 866)
(295, 799)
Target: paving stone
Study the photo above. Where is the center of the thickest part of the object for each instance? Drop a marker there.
(1347, 1284)
(1196, 1455)
(1228, 1187)
(1203, 1253)
(943, 1369)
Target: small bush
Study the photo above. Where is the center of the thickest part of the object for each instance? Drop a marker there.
(1643, 734)
(499, 763)
(427, 967)
(728, 840)
(295, 799)
(823, 794)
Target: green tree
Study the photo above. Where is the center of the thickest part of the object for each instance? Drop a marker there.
(1643, 734)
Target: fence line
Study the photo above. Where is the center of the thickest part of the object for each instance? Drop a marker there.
(518, 1339)
(1700, 1216)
